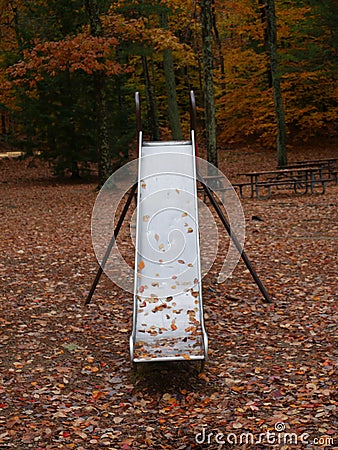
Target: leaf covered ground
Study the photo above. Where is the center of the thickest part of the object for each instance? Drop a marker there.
(66, 378)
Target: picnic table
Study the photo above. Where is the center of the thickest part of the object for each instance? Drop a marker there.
(299, 179)
(328, 166)
(300, 176)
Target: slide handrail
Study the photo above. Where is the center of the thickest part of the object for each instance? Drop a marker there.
(138, 112)
(193, 114)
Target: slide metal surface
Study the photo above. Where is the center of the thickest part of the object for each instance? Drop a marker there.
(168, 310)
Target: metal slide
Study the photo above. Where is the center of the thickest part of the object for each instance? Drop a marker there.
(168, 310)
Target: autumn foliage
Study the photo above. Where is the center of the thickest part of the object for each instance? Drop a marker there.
(82, 52)
(130, 55)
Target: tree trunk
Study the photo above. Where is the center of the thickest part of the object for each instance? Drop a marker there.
(169, 73)
(218, 44)
(3, 124)
(103, 147)
(75, 171)
(18, 34)
(209, 96)
(151, 105)
(276, 84)
(262, 12)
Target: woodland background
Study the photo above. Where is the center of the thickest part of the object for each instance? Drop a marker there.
(69, 70)
(66, 381)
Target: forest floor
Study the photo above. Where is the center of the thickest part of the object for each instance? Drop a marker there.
(66, 380)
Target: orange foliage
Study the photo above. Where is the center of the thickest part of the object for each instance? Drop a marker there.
(244, 99)
(245, 104)
(142, 31)
(82, 52)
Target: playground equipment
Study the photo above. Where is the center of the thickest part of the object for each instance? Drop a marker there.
(168, 308)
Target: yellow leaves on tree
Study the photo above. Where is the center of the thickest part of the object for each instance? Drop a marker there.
(245, 104)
